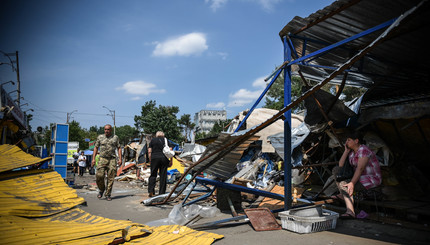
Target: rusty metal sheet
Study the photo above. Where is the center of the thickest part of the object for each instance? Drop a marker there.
(224, 167)
(395, 70)
(262, 219)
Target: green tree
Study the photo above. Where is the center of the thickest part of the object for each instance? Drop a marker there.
(275, 95)
(126, 133)
(97, 130)
(218, 127)
(352, 92)
(76, 133)
(161, 118)
(186, 126)
(43, 137)
(201, 135)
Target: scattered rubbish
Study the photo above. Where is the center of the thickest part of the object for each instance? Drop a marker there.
(262, 219)
(362, 215)
(155, 199)
(308, 224)
(183, 215)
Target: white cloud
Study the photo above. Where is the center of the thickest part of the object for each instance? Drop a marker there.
(216, 4)
(244, 96)
(218, 105)
(259, 83)
(268, 5)
(140, 88)
(190, 44)
(223, 55)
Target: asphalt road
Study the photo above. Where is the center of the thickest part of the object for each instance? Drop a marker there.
(125, 205)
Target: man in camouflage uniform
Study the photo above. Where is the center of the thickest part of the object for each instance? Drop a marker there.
(107, 144)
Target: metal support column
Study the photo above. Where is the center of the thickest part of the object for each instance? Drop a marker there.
(287, 128)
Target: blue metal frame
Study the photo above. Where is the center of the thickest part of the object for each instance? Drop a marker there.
(233, 187)
(303, 60)
(208, 194)
(287, 127)
(323, 51)
(259, 99)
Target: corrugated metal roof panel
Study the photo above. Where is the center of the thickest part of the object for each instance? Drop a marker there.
(36, 195)
(64, 228)
(44, 195)
(175, 234)
(12, 157)
(224, 167)
(19, 230)
(390, 68)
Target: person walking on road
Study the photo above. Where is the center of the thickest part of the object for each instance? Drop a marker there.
(82, 159)
(159, 164)
(107, 144)
(75, 162)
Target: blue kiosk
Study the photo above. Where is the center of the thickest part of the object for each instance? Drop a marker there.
(59, 146)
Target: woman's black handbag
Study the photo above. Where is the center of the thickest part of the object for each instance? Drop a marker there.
(345, 172)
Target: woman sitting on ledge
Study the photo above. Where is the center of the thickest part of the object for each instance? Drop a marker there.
(367, 173)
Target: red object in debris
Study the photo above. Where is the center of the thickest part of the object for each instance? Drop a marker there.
(123, 168)
(262, 219)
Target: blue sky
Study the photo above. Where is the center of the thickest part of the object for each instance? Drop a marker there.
(194, 54)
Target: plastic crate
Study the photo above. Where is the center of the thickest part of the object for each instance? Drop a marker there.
(302, 224)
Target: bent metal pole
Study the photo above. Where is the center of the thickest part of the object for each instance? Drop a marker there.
(279, 115)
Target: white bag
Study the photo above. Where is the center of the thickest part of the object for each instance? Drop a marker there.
(166, 150)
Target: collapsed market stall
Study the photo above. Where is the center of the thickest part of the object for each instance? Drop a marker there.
(367, 44)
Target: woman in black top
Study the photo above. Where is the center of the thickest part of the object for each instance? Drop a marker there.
(159, 164)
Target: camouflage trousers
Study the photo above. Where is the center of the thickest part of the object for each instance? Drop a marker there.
(106, 166)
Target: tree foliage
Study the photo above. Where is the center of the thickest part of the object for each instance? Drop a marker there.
(218, 128)
(161, 118)
(275, 95)
(43, 137)
(126, 133)
(76, 133)
(186, 126)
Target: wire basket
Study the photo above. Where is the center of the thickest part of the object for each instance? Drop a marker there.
(300, 224)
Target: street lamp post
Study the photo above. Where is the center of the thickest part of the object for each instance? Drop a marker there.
(112, 114)
(13, 83)
(16, 69)
(16, 90)
(69, 115)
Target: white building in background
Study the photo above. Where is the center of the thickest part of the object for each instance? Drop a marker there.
(206, 119)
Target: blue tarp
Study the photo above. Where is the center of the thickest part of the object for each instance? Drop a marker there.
(88, 152)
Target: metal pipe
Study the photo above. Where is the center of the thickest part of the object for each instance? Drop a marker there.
(312, 90)
(287, 127)
(259, 99)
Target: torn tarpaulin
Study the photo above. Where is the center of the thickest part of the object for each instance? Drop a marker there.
(298, 135)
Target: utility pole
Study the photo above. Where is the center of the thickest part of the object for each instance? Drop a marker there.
(69, 115)
(112, 114)
(18, 82)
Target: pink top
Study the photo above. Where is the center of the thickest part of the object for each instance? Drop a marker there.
(371, 175)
